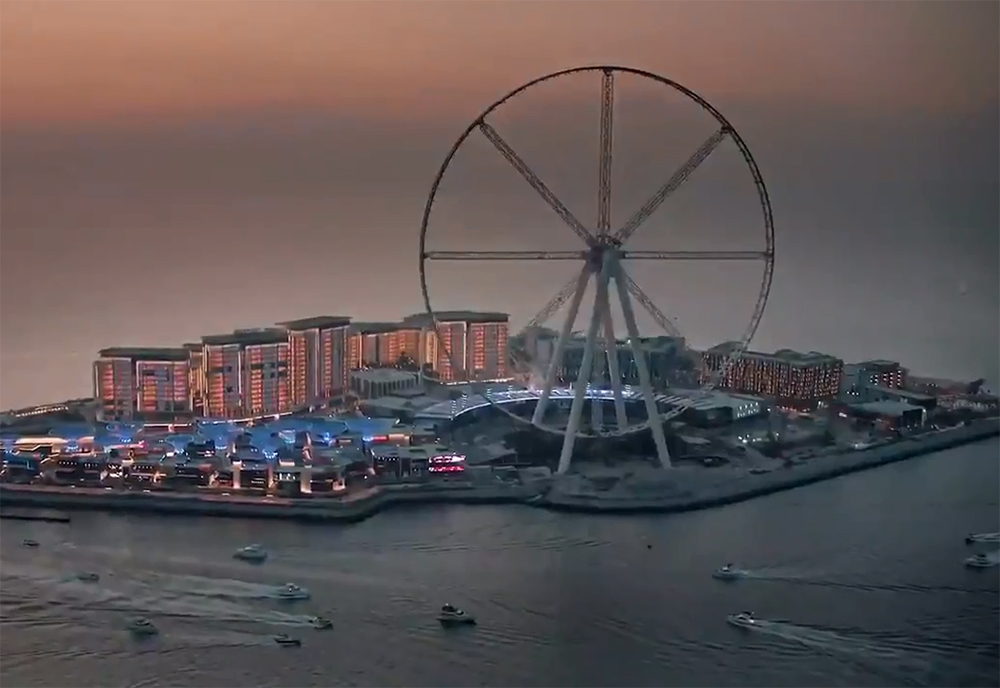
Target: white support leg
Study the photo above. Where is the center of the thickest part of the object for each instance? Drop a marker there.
(655, 425)
(596, 405)
(560, 352)
(576, 410)
(611, 345)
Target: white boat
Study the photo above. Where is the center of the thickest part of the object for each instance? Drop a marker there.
(287, 640)
(743, 620)
(29, 543)
(981, 561)
(729, 572)
(320, 623)
(254, 553)
(290, 591)
(142, 627)
(453, 616)
(981, 537)
(88, 577)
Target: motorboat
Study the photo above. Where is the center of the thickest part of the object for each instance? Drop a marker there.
(729, 572)
(981, 561)
(453, 616)
(286, 640)
(290, 591)
(320, 623)
(142, 627)
(743, 620)
(29, 543)
(88, 577)
(251, 553)
(972, 538)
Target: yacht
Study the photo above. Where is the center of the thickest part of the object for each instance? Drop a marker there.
(981, 537)
(290, 591)
(142, 627)
(320, 623)
(29, 543)
(88, 577)
(253, 553)
(453, 616)
(980, 561)
(743, 620)
(286, 640)
(729, 572)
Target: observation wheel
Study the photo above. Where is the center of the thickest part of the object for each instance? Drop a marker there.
(602, 252)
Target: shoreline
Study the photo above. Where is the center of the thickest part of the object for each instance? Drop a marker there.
(677, 491)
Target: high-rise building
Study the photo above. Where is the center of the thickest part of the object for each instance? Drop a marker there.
(372, 344)
(471, 345)
(799, 379)
(143, 383)
(196, 377)
(247, 373)
(318, 359)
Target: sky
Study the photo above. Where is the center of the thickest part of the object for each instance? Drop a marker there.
(181, 168)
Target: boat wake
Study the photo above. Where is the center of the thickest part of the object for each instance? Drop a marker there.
(909, 663)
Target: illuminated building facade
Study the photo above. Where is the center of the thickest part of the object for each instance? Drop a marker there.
(247, 373)
(318, 359)
(143, 383)
(798, 379)
(196, 377)
(476, 342)
(373, 344)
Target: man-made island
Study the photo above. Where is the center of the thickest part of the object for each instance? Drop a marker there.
(642, 490)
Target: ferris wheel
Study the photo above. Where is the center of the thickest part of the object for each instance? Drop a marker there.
(602, 253)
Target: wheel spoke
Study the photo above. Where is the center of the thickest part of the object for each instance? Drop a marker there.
(607, 124)
(518, 355)
(535, 182)
(674, 183)
(504, 255)
(697, 255)
(647, 303)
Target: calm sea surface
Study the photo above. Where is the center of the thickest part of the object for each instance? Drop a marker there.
(862, 577)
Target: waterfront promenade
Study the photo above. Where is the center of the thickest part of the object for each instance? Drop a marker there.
(680, 489)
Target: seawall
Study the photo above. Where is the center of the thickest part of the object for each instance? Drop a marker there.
(679, 492)
(322, 509)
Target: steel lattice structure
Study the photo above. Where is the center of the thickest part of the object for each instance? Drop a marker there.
(603, 255)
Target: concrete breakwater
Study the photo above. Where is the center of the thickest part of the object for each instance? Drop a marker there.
(689, 490)
(678, 490)
(328, 509)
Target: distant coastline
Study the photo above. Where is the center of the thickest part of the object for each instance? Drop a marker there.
(684, 491)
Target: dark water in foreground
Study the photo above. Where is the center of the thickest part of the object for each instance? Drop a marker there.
(862, 576)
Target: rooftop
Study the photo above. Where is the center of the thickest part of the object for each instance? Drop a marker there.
(319, 321)
(424, 319)
(887, 408)
(790, 356)
(247, 337)
(374, 327)
(383, 375)
(146, 353)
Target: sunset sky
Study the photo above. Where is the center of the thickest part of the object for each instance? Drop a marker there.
(173, 169)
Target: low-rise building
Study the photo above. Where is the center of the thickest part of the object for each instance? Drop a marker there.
(889, 415)
(714, 408)
(381, 382)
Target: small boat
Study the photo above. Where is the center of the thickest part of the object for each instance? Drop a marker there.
(290, 591)
(320, 623)
(981, 561)
(142, 627)
(286, 640)
(453, 616)
(88, 577)
(743, 620)
(252, 553)
(29, 543)
(972, 538)
(729, 572)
